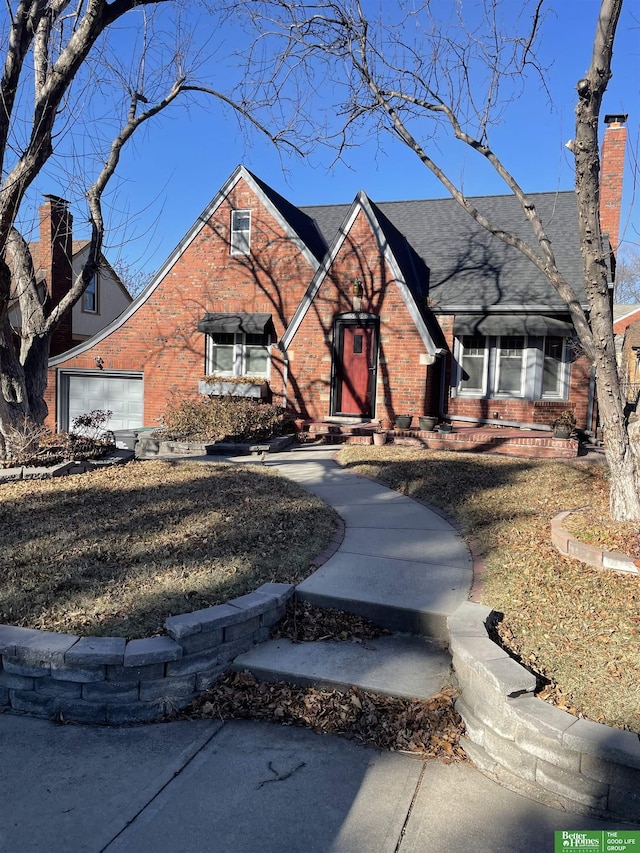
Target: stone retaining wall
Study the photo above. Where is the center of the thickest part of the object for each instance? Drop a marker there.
(112, 681)
(147, 447)
(530, 746)
(64, 469)
(589, 554)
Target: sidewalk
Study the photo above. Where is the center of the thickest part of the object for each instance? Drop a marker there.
(242, 786)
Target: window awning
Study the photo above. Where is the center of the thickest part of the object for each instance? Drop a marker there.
(510, 324)
(237, 321)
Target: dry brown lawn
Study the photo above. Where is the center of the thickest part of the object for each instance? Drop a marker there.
(576, 626)
(115, 552)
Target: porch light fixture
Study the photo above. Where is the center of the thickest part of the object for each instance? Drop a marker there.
(358, 289)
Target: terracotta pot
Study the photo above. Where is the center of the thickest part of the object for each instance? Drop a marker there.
(379, 438)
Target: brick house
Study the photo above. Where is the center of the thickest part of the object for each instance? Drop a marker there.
(363, 310)
(57, 260)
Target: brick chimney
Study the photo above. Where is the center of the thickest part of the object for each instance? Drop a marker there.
(611, 172)
(55, 252)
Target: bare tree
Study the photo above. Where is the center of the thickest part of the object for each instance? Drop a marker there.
(627, 288)
(59, 72)
(423, 73)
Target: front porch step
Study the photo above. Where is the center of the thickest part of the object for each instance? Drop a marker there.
(341, 438)
(396, 665)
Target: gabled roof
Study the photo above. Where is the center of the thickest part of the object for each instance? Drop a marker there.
(463, 267)
(298, 226)
(398, 255)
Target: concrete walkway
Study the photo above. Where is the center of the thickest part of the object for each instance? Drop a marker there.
(243, 787)
(400, 564)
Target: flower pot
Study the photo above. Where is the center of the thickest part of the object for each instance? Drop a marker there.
(445, 428)
(379, 438)
(562, 431)
(403, 421)
(427, 422)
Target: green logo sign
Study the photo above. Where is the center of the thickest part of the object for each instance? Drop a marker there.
(596, 841)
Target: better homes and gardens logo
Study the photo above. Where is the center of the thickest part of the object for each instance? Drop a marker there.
(596, 841)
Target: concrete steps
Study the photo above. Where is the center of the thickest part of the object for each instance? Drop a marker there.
(397, 665)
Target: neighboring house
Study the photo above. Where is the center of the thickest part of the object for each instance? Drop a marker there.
(58, 259)
(104, 299)
(362, 311)
(626, 325)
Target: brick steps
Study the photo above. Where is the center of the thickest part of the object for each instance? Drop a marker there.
(507, 442)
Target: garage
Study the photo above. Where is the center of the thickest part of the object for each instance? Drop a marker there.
(120, 393)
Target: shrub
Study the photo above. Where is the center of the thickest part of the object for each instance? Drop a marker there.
(92, 425)
(218, 418)
(33, 444)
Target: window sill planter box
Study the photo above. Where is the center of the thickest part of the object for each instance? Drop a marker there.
(234, 389)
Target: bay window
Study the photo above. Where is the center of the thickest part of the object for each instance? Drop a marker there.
(533, 367)
(509, 365)
(554, 367)
(473, 362)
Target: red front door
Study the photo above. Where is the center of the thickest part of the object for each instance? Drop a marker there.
(355, 373)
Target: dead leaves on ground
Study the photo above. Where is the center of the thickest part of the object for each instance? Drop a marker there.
(429, 728)
(304, 623)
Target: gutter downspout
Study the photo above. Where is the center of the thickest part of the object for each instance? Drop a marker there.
(285, 375)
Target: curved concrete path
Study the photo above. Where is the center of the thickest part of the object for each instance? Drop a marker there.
(400, 564)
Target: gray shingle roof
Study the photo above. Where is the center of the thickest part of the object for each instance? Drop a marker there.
(465, 266)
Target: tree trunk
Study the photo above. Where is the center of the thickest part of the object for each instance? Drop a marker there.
(36, 362)
(14, 407)
(623, 463)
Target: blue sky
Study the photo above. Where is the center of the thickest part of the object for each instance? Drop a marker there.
(171, 172)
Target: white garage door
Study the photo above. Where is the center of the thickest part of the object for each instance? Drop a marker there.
(122, 395)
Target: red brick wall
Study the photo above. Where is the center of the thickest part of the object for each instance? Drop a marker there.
(402, 380)
(161, 337)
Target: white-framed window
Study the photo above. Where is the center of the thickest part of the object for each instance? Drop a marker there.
(90, 296)
(554, 367)
(473, 361)
(240, 232)
(238, 354)
(534, 368)
(509, 372)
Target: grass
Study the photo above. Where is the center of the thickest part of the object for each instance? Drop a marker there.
(115, 552)
(576, 626)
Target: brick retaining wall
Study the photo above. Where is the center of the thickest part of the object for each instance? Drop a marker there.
(109, 680)
(530, 746)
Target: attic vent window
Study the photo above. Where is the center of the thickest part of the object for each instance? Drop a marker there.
(240, 232)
